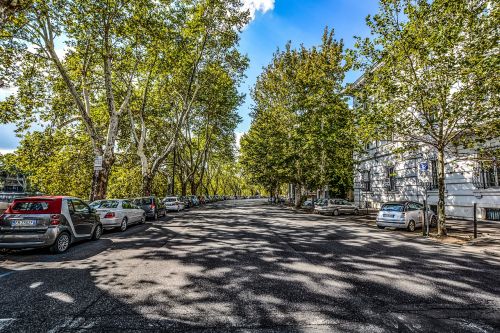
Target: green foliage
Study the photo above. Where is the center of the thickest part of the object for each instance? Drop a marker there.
(55, 162)
(431, 77)
(302, 128)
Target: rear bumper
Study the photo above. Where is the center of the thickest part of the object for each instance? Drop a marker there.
(391, 223)
(110, 223)
(9, 240)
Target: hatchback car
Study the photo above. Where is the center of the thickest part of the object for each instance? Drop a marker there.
(152, 206)
(48, 221)
(174, 203)
(336, 207)
(404, 214)
(118, 213)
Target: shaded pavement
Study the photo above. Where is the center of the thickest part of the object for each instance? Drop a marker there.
(245, 266)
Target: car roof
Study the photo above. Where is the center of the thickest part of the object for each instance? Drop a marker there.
(45, 197)
(399, 202)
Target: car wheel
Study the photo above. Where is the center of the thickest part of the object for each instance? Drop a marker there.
(143, 219)
(380, 227)
(411, 226)
(97, 232)
(434, 221)
(61, 244)
(356, 212)
(155, 217)
(336, 212)
(123, 225)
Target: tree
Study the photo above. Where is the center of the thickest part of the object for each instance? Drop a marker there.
(431, 77)
(191, 79)
(301, 132)
(55, 162)
(93, 81)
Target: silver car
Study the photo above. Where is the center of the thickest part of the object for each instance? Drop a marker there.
(118, 213)
(336, 207)
(404, 214)
(173, 203)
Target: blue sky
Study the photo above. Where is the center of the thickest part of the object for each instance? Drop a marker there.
(276, 22)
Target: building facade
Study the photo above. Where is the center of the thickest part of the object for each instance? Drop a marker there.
(471, 176)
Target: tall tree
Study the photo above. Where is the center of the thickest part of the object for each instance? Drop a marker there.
(302, 125)
(432, 77)
(94, 79)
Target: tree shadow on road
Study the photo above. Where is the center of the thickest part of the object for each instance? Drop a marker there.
(270, 269)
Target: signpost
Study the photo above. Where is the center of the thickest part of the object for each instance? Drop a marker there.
(98, 163)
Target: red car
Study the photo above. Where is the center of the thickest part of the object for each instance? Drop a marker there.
(48, 221)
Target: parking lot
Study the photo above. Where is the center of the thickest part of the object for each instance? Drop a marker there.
(250, 267)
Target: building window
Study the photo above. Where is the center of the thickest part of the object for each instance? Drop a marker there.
(366, 182)
(493, 214)
(391, 179)
(487, 174)
(434, 175)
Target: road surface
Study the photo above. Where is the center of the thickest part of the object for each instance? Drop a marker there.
(245, 266)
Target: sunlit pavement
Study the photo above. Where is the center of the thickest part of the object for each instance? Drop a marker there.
(248, 267)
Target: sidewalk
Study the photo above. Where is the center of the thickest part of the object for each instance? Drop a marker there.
(460, 232)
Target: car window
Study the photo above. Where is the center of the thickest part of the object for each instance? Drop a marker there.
(413, 206)
(105, 204)
(126, 205)
(392, 208)
(80, 207)
(27, 206)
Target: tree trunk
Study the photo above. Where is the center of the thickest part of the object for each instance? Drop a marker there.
(298, 195)
(147, 184)
(100, 180)
(193, 186)
(441, 191)
(183, 188)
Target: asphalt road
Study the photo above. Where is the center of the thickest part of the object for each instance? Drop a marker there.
(248, 267)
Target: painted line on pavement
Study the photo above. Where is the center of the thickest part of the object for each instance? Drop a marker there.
(5, 274)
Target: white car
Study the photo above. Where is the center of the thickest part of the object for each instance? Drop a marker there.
(173, 203)
(404, 214)
(118, 213)
(336, 207)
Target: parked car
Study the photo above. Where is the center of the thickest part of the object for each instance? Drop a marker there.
(7, 197)
(404, 214)
(152, 206)
(336, 207)
(174, 203)
(48, 221)
(194, 200)
(118, 213)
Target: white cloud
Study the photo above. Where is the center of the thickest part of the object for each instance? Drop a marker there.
(6, 151)
(238, 138)
(258, 5)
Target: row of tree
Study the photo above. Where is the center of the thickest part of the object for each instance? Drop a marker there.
(149, 86)
(301, 131)
(431, 79)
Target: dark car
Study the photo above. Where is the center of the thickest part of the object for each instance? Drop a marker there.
(153, 206)
(48, 221)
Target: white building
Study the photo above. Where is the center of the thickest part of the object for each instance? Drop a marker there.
(382, 176)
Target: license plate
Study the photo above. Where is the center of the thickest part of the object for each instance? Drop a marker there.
(23, 223)
(388, 215)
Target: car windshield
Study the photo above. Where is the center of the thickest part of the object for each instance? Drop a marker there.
(104, 204)
(142, 201)
(393, 208)
(170, 199)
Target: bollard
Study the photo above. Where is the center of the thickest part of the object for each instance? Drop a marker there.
(475, 220)
(425, 218)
